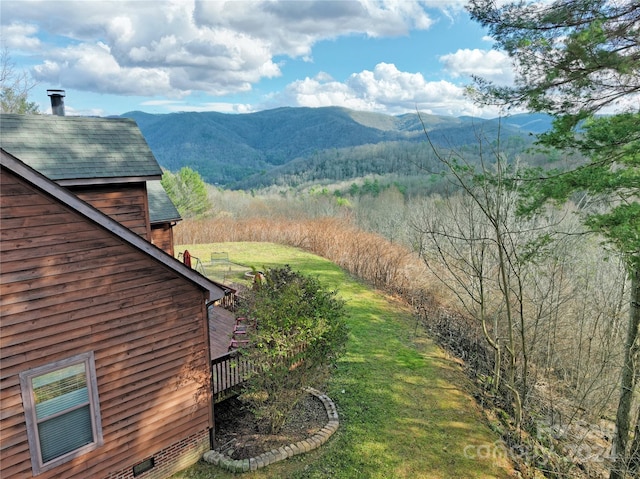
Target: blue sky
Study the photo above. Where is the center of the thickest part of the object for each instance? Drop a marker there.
(388, 56)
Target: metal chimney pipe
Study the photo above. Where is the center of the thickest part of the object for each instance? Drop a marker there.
(57, 101)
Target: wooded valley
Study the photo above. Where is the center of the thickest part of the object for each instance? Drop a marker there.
(537, 307)
(292, 146)
(532, 300)
(523, 262)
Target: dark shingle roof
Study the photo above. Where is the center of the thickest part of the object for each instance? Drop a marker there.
(79, 148)
(161, 208)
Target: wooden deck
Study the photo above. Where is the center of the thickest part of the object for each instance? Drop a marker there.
(221, 324)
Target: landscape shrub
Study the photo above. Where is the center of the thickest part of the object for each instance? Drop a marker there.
(296, 332)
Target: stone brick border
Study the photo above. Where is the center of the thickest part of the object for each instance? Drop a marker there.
(276, 455)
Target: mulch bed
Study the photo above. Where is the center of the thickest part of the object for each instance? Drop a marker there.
(238, 436)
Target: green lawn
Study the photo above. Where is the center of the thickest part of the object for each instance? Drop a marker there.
(403, 406)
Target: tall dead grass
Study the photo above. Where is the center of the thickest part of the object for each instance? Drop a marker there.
(366, 255)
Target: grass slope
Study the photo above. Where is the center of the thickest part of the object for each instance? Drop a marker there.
(404, 412)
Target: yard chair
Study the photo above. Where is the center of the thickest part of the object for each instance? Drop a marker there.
(242, 321)
(240, 329)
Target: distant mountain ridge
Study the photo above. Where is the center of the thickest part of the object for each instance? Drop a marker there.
(228, 149)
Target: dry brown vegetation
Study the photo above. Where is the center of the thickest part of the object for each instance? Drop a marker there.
(368, 256)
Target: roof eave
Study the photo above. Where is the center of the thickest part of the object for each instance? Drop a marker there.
(165, 220)
(106, 180)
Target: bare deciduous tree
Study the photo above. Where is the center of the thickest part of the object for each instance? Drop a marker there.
(14, 87)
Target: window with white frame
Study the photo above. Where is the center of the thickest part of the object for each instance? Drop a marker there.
(61, 410)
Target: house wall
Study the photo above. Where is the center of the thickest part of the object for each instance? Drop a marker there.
(172, 459)
(162, 237)
(68, 286)
(126, 204)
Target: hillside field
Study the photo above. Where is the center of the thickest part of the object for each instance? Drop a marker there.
(405, 406)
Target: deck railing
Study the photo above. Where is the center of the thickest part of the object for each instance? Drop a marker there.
(229, 301)
(230, 370)
(228, 373)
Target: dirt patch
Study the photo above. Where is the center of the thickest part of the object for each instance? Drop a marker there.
(237, 434)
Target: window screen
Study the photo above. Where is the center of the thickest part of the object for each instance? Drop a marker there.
(62, 410)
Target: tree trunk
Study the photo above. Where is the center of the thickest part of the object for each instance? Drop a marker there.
(634, 453)
(628, 384)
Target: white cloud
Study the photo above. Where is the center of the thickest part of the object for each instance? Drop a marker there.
(221, 107)
(86, 64)
(492, 65)
(167, 103)
(121, 27)
(293, 27)
(179, 106)
(70, 111)
(174, 47)
(19, 36)
(385, 89)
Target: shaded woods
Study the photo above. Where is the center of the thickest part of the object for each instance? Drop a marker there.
(571, 333)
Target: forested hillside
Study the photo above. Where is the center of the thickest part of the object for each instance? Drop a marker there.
(259, 149)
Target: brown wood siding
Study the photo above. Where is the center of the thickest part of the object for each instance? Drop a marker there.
(126, 204)
(162, 237)
(67, 287)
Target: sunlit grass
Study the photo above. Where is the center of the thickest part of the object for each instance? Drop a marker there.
(402, 401)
